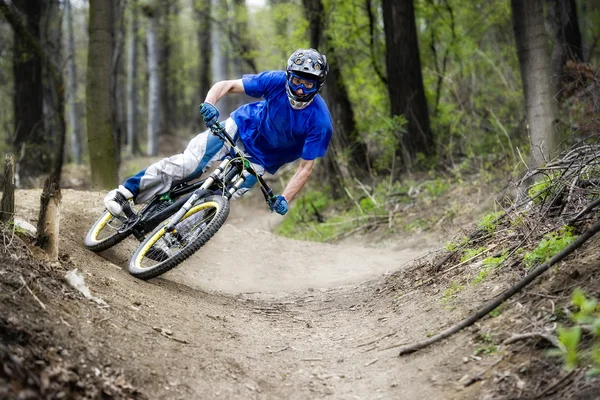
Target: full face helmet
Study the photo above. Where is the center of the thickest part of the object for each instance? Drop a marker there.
(306, 72)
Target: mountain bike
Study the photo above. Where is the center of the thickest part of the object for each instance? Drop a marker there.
(173, 226)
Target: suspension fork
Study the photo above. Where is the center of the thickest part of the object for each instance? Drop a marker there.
(198, 193)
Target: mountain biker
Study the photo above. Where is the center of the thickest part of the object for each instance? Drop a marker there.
(292, 122)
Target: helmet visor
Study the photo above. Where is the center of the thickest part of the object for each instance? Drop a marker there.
(302, 86)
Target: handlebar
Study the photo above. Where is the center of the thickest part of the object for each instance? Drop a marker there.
(219, 130)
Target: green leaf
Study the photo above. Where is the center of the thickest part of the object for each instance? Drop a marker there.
(570, 338)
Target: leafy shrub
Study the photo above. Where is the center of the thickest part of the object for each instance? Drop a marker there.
(488, 265)
(454, 245)
(572, 351)
(544, 188)
(367, 204)
(437, 187)
(551, 244)
(452, 292)
(470, 253)
(487, 222)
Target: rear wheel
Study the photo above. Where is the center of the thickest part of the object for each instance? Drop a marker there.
(162, 250)
(106, 232)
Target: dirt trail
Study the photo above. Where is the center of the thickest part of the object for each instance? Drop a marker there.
(253, 315)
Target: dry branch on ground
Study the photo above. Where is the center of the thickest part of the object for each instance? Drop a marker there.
(565, 192)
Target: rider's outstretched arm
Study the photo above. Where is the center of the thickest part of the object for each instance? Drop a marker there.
(299, 179)
(221, 88)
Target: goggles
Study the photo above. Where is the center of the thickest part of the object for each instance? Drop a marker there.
(297, 82)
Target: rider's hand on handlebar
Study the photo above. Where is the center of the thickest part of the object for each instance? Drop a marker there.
(280, 205)
(210, 114)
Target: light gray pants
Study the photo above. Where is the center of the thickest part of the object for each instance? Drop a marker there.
(202, 151)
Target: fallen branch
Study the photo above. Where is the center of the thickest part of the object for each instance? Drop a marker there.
(33, 294)
(453, 267)
(473, 235)
(279, 350)
(377, 339)
(552, 388)
(585, 211)
(524, 336)
(584, 237)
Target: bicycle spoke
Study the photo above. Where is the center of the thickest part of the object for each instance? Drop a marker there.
(166, 245)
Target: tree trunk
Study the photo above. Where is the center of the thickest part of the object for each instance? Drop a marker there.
(74, 122)
(203, 9)
(132, 87)
(54, 97)
(562, 18)
(589, 35)
(534, 62)
(345, 157)
(29, 141)
(405, 80)
(7, 207)
(220, 59)
(117, 80)
(282, 26)
(50, 41)
(49, 219)
(102, 146)
(164, 15)
(153, 81)
(54, 84)
(242, 60)
(240, 39)
(344, 153)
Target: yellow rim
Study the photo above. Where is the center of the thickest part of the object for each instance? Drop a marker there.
(101, 224)
(162, 232)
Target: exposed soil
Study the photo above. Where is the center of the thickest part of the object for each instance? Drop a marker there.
(251, 315)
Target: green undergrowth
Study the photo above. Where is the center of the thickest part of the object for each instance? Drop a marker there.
(551, 244)
(489, 264)
(580, 335)
(415, 204)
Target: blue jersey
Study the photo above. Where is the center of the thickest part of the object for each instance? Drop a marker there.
(272, 131)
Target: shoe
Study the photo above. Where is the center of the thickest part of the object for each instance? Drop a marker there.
(116, 199)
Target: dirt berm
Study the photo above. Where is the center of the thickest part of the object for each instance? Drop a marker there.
(251, 316)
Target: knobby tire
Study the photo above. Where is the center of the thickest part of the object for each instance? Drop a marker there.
(209, 231)
(92, 243)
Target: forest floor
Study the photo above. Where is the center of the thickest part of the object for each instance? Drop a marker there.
(257, 316)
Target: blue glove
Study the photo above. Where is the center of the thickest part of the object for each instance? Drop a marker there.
(210, 114)
(280, 205)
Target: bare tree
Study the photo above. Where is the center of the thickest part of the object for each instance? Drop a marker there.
(534, 61)
(28, 141)
(202, 9)
(165, 13)
(562, 18)
(74, 122)
(220, 57)
(132, 87)
(38, 145)
(54, 98)
(344, 151)
(117, 76)
(153, 79)
(51, 42)
(405, 79)
(102, 146)
(282, 26)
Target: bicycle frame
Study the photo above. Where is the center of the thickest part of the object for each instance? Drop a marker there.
(224, 178)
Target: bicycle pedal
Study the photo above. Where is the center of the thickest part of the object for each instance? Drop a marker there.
(128, 211)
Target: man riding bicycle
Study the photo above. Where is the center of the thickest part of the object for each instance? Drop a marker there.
(291, 122)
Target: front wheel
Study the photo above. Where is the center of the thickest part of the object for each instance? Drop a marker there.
(162, 250)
